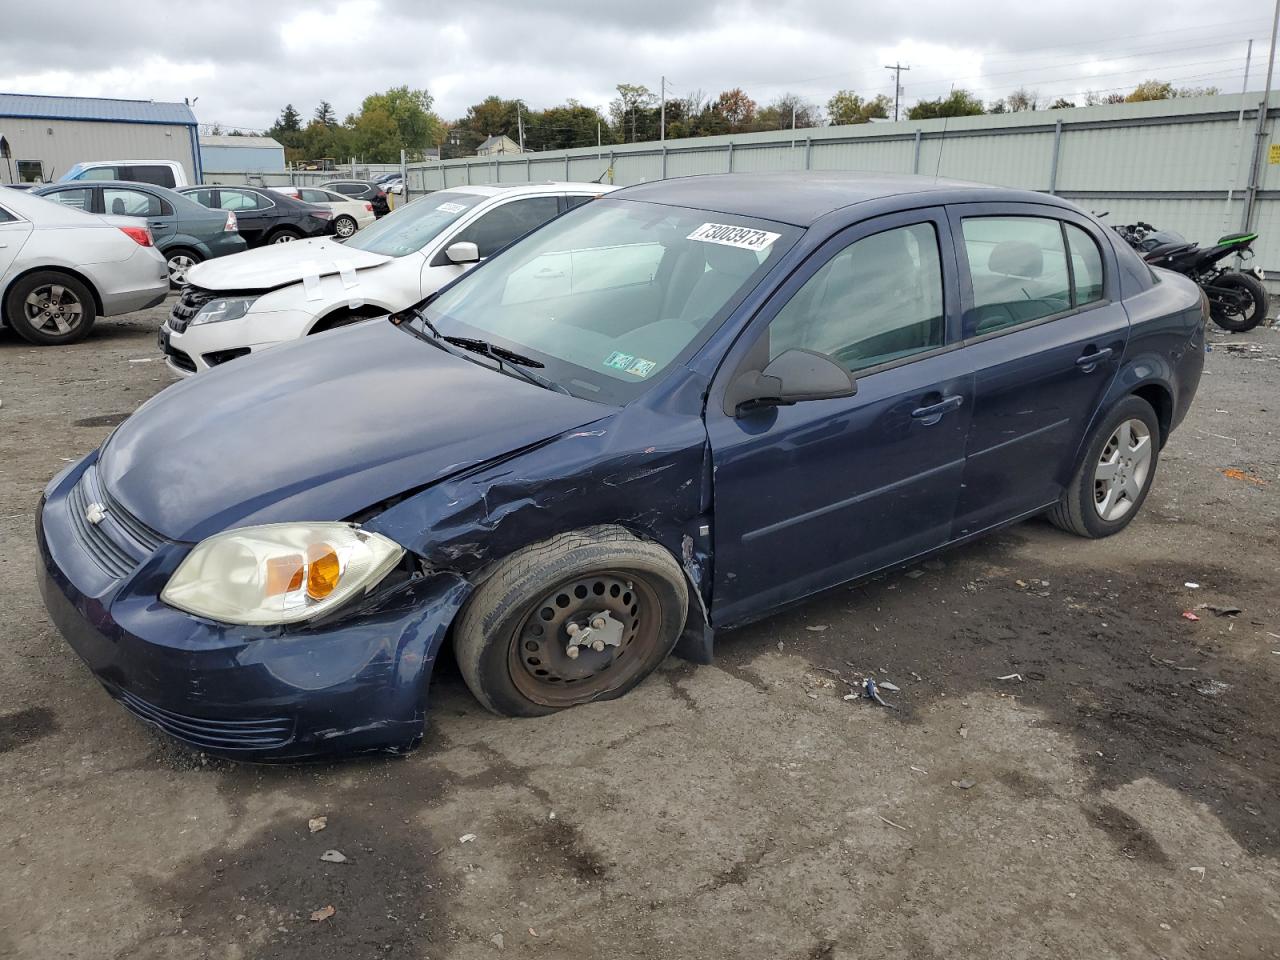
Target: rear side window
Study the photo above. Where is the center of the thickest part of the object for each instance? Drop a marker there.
(6, 216)
(132, 203)
(1019, 271)
(877, 300)
(239, 200)
(161, 176)
(1086, 265)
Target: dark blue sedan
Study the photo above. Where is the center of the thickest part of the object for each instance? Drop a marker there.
(666, 413)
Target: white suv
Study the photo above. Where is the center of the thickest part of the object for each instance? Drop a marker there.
(253, 300)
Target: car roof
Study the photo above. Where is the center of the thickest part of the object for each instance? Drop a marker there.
(550, 186)
(801, 198)
(89, 184)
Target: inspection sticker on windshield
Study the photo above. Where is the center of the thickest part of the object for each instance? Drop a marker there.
(745, 238)
(636, 366)
(452, 207)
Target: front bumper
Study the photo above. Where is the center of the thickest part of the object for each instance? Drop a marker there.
(354, 684)
(202, 346)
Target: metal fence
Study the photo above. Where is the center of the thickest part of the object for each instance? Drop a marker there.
(1182, 164)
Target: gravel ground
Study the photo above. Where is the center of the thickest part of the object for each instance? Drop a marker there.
(1118, 800)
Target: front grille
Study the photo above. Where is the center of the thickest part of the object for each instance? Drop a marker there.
(257, 734)
(120, 542)
(188, 305)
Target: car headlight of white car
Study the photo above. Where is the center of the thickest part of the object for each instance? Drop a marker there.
(280, 572)
(227, 308)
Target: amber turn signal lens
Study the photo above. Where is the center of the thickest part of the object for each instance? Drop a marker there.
(323, 570)
(284, 575)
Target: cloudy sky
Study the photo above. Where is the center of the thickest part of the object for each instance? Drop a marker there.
(244, 59)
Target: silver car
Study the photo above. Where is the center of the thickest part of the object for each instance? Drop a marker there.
(60, 268)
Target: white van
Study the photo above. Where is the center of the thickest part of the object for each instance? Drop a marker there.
(162, 173)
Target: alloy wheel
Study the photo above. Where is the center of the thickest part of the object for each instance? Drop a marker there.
(282, 238)
(179, 264)
(1122, 470)
(345, 227)
(55, 308)
(581, 638)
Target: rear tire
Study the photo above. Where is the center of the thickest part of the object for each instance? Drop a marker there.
(345, 226)
(180, 260)
(512, 638)
(49, 308)
(1256, 303)
(1114, 477)
(285, 235)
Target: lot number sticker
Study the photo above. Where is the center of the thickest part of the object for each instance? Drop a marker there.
(451, 207)
(745, 238)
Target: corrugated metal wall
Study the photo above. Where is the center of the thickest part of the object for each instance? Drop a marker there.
(61, 144)
(1168, 162)
(242, 159)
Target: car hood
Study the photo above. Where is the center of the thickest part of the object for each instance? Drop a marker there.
(320, 429)
(280, 264)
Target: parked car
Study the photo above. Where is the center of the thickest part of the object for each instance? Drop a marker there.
(391, 183)
(61, 269)
(264, 216)
(361, 190)
(243, 304)
(162, 173)
(667, 413)
(183, 231)
(348, 215)
(22, 186)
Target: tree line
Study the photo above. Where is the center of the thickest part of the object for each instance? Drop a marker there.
(402, 118)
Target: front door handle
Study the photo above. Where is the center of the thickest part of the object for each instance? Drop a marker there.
(1088, 361)
(935, 411)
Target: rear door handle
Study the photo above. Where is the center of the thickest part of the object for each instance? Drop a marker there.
(1090, 360)
(935, 411)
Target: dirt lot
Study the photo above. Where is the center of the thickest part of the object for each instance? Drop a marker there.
(1121, 799)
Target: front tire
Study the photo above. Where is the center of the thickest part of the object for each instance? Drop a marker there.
(1115, 475)
(1239, 319)
(513, 639)
(345, 226)
(48, 308)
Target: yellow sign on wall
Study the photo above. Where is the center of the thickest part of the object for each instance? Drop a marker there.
(1273, 153)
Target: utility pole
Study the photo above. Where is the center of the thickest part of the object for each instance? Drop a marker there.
(897, 69)
(1255, 170)
(520, 125)
(662, 126)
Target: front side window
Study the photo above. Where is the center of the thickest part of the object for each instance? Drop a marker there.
(414, 225)
(495, 229)
(1019, 271)
(130, 203)
(99, 173)
(610, 295)
(81, 199)
(876, 301)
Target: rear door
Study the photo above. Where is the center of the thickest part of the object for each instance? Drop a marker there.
(156, 211)
(253, 213)
(1044, 335)
(817, 493)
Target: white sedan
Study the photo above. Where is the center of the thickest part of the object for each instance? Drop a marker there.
(348, 215)
(250, 301)
(61, 268)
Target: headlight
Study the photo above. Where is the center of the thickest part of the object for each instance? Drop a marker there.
(229, 308)
(279, 573)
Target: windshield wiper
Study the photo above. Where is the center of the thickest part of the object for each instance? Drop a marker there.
(507, 360)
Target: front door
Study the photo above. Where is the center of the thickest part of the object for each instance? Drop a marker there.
(1045, 332)
(810, 495)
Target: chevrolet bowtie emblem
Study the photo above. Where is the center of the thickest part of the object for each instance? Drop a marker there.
(95, 513)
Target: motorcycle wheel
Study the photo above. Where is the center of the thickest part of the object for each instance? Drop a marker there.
(1249, 313)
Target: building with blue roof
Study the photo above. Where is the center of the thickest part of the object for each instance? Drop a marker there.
(42, 137)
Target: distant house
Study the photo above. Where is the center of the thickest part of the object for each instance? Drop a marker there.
(497, 145)
(241, 154)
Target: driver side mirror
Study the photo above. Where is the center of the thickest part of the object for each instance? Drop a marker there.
(793, 376)
(464, 251)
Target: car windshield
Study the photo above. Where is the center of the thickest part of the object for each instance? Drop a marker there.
(613, 293)
(412, 227)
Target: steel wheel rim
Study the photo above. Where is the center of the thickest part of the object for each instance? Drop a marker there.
(346, 228)
(1122, 470)
(178, 267)
(541, 669)
(53, 307)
